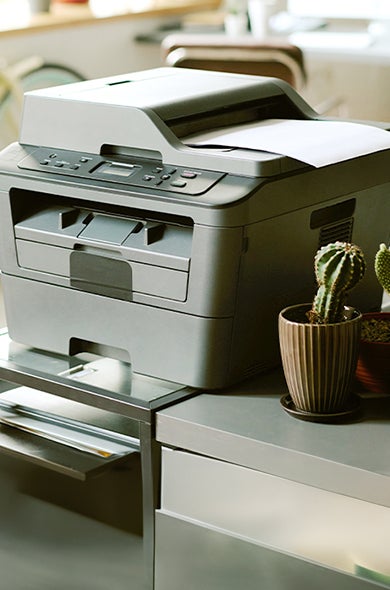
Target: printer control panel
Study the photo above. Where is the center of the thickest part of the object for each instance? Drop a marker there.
(140, 173)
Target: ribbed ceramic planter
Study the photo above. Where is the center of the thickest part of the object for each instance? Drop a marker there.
(319, 360)
(373, 367)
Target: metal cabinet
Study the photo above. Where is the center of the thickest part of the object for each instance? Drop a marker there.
(253, 497)
(79, 469)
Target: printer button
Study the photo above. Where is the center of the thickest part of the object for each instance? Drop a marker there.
(179, 183)
(188, 174)
(170, 170)
(53, 155)
(84, 159)
(148, 177)
(74, 166)
(158, 169)
(44, 162)
(165, 176)
(58, 164)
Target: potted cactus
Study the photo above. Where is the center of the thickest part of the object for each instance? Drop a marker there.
(373, 367)
(319, 341)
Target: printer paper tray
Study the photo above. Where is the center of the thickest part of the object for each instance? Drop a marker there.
(109, 254)
(147, 279)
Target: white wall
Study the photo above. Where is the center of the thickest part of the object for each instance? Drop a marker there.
(100, 49)
(362, 84)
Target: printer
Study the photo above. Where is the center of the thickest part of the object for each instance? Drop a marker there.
(122, 238)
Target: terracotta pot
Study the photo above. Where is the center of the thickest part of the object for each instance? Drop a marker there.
(319, 360)
(373, 367)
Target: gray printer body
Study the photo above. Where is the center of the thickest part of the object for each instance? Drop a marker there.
(119, 239)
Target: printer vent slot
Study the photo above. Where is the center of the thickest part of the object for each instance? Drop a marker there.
(341, 232)
(335, 222)
(332, 214)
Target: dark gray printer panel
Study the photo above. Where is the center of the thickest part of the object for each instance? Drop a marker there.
(125, 171)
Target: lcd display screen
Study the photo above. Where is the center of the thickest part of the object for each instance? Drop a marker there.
(116, 169)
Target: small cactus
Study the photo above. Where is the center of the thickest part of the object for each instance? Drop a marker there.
(338, 266)
(382, 267)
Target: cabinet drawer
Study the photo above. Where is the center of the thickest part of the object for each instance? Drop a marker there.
(211, 559)
(324, 527)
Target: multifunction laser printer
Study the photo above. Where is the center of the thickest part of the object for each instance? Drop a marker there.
(121, 237)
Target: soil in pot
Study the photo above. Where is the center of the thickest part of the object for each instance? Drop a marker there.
(373, 367)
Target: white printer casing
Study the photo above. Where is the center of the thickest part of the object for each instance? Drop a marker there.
(118, 238)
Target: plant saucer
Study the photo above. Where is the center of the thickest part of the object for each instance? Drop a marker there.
(345, 415)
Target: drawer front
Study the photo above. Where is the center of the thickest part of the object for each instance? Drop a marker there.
(327, 528)
(193, 556)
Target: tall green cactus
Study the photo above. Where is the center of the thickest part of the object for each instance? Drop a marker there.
(338, 266)
(382, 267)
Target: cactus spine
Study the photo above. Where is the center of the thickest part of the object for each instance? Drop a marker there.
(382, 267)
(338, 266)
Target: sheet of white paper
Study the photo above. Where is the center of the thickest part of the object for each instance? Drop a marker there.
(77, 439)
(318, 143)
